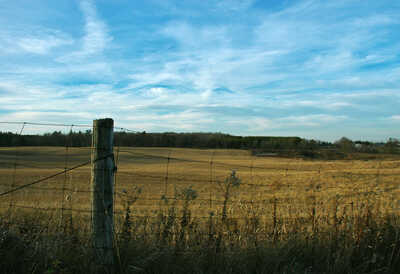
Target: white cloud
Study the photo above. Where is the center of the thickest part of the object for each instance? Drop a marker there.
(317, 101)
(96, 37)
(395, 117)
(207, 59)
(41, 45)
(196, 38)
(311, 120)
(186, 120)
(156, 92)
(34, 39)
(331, 62)
(153, 78)
(260, 125)
(209, 70)
(46, 116)
(375, 20)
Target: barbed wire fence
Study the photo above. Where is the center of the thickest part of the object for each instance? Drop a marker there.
(152, 180)
(118, 150)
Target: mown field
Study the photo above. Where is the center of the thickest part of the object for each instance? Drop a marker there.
(178, 206)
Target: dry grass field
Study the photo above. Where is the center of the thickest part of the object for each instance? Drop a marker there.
(165, 171)
(188, 197)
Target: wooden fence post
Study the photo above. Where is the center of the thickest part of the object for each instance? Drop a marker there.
(102, 181)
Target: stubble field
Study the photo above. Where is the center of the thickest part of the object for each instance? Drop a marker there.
(165, 172)
(224, 199)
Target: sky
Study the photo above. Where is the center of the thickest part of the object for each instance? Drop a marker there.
(315, 69)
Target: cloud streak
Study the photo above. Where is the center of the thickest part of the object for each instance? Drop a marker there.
(305, 68)
(96, 38)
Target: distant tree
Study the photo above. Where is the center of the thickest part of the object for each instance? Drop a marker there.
(345, 144)
(392, 145)
(366, 147)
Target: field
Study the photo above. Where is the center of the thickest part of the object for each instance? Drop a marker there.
(325, 216)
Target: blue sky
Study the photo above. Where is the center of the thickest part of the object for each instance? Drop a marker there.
(314, 69)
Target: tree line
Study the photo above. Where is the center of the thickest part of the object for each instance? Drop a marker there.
(258, 144)
(167, 139)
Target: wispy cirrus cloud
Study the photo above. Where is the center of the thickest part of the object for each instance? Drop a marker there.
(33, 41)
(308, 67)
(395, 118)
(41, 45)
(258, 124)
(96, 38)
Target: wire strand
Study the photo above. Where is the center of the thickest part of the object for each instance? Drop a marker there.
(54, 175)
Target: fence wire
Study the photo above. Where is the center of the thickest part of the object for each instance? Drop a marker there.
(160, 183)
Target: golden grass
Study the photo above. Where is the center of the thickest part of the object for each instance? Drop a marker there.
(297, 185)
(286, 216)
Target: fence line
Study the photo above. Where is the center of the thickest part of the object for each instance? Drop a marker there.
(65, 125)
(269, 195)
(15, 166)
(168, 176)
(66, 170)
(54, 175)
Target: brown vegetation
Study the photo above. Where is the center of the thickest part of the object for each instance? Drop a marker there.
(186, 211)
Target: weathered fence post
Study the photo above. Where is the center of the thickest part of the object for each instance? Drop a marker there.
(102, 181)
